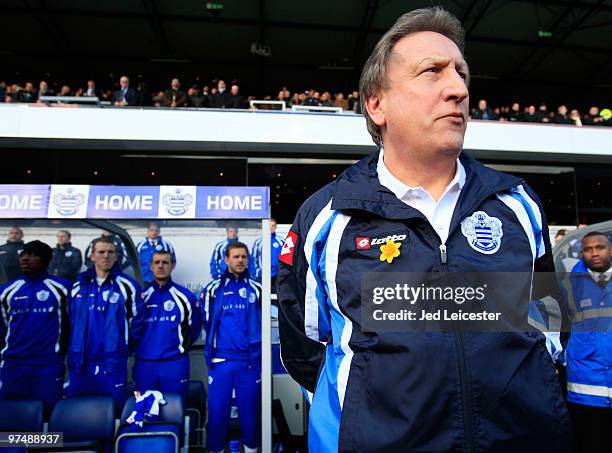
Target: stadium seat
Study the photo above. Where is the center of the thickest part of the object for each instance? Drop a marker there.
(87, 423)
(171, 421)
(20, 416)
(158, 442)
(196, 410)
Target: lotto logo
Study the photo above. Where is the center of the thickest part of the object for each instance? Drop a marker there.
(362, 243)
(391, 237)
(286, 254)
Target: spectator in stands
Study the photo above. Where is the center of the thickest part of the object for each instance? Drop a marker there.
(148, 246)
(606, 114)
(65, 91)
(574, 116)
(542, 113)
(530, 115)
(174, 97)
(91, 91)
(341, 102)
(196, 99)
(221, 98)
(311, 99)
(33, 329)
(589, 350)
(106, 314)
(27, 94)
(44, 90)
(173, 322)
(125, 95)
(122, 261)
(325, 100)
(515, 113)
(592, 118)
(2, 91)
(483, 112)
(10, 252)
(236, 101)
(67, 260)
(144, 96)
(561, 116)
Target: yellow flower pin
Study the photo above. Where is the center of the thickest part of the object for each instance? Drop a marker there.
(389, 251)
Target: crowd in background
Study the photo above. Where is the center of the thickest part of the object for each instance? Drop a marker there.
(220, 95)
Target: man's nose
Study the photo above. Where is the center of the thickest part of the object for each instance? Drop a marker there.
(455, 86)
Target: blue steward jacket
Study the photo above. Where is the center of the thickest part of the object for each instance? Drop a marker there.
(276, 245)
(390, 391)
(34, 324)
(172, 322)
(235, 292)
(589, 350)
(120, 299)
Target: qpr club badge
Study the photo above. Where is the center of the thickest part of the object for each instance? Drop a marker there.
(68, 203)
(168, 305)
(483, 233)
(42, 295)
(177, 203)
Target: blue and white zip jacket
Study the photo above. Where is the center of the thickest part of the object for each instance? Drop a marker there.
(34, 324)
(276, 245)
(172, 321)
(120, 299)
(146, 249)
(589, 350)
(416, 391)
(240, 299)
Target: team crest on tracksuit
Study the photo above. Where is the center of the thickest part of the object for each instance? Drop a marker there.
(483, 233)
(42, 295)
(177, 203)
(114, 298)
(168, 305)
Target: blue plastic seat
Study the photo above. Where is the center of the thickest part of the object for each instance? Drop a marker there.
(196, 410)
(88, 423)
(20, 416)
(158, 442)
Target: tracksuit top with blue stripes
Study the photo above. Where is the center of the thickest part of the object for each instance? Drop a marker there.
(105, 319)
(589, 350)
(232, 317)
(276, 245)
(432, 392)
(172, 322)
(146, 250)
(33, 327)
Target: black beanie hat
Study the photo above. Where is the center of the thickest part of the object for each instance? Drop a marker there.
(39, 249)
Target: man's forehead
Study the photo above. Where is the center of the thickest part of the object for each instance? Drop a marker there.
(421, 46)
(596, 240)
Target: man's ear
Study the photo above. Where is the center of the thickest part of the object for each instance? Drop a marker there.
(375, 107)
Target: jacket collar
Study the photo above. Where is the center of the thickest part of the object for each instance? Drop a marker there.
(358, 188)
(36, 277)
(157, 286)
(90, 274)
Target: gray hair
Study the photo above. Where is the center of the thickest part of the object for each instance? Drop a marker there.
(374, 74)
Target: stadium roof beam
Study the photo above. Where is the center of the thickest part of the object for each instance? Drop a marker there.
(573, 4)
(366, 22)
(557, 44)
(479, 15)
(158, 29)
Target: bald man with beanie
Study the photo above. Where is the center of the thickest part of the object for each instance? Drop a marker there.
(33, 329)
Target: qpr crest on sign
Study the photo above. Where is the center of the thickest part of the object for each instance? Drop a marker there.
(68, 203)
(42, 295)
(177, 203)
(483, 233)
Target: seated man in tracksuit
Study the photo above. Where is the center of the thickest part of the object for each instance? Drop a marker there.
(33, 329)
(589, 350)
(173, 322)
(106, 313)
(232, 310)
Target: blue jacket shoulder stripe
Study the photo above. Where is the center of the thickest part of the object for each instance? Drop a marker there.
(11, 289)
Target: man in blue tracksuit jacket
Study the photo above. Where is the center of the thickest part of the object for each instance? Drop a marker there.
(276, 244)
(232, 311)
(418, 205)
(589, 350)
(106, 316)
(217, 260)
(173, 322)
(33, 330)
(148, 246)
